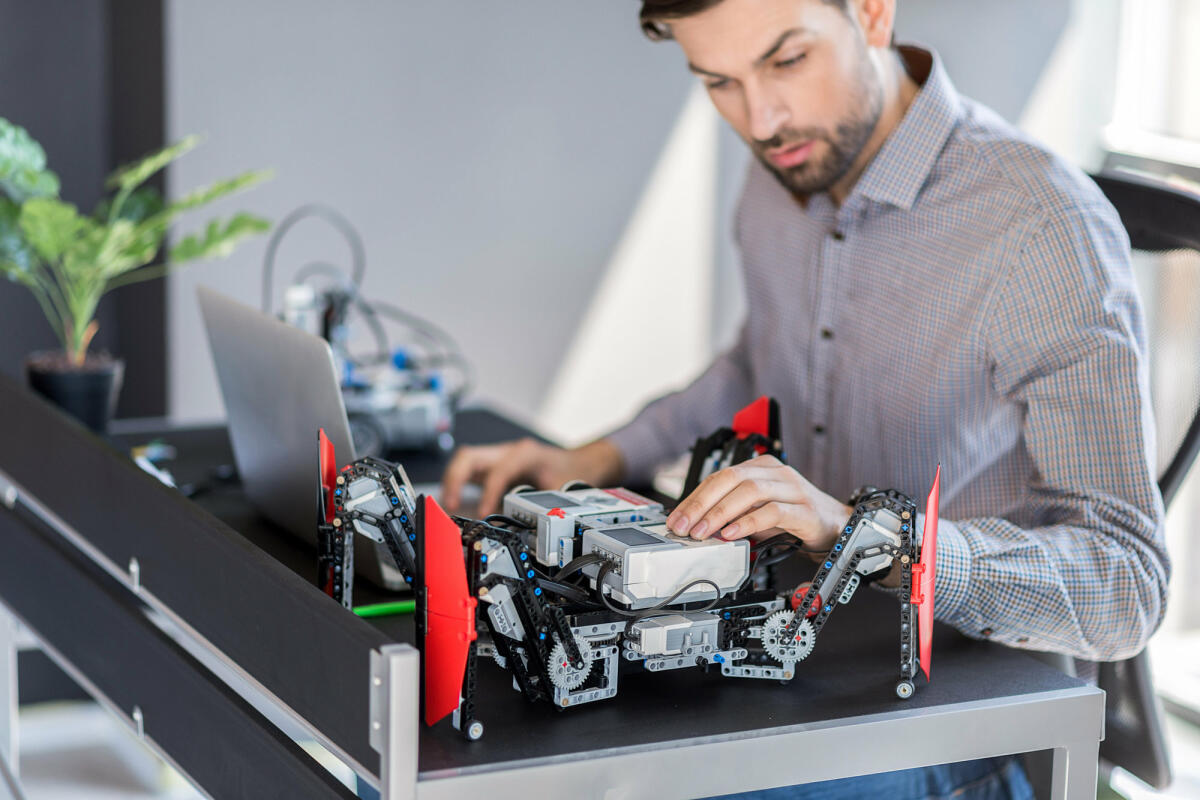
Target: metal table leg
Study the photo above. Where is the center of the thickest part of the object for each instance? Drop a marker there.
(1075, 769)
(10, 786)
(395, 708)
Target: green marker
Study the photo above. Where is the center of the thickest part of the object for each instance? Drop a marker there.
(387, 609)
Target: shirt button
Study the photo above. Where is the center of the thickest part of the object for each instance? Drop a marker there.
(838, 236)
(986, 632)
(826, 333)
(818, 429)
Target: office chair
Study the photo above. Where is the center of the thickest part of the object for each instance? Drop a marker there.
(1162, 223)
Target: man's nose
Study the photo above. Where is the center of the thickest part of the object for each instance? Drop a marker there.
(766, 112)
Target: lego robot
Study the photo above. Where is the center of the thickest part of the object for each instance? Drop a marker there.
(564, 588)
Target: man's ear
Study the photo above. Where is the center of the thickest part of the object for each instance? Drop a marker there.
(877, 19)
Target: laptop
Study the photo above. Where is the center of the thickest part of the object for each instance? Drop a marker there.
(280, 386)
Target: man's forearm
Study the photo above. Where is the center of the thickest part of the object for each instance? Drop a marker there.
(1091, 593)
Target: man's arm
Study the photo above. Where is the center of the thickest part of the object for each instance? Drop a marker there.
(669, 425)
(663, 429)
(1080, 567)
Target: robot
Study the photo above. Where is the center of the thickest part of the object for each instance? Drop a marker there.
(566, 589)
(396, 398)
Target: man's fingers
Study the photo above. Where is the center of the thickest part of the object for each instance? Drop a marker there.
(693, 508)
(784, 482)
(764, 518)
(798, 519)
(453, 479)
(459, 471)
(467, 465)
(747, 495)
(500, 477)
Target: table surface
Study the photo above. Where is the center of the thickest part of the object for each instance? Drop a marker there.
(850, 674)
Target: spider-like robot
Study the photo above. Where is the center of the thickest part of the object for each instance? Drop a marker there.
(569, 584)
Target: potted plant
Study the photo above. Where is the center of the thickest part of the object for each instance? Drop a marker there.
(68, 260)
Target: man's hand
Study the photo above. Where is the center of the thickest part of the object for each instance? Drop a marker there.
(498, 467)
(758, 498)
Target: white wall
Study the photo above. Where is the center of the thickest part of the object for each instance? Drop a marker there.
(490, 154)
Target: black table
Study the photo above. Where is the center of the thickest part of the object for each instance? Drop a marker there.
(204, 617)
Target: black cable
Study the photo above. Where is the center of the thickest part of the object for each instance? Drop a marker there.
(507, 520)
(640, 614)
(576, 564)
(775, 559)
(785, 539)
(334, 218)
(574, 593)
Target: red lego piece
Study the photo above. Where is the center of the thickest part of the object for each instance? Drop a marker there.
(923, 576)
(556, 512)
(798, 598)
(754, 418)
(328, 462)
(449, 613)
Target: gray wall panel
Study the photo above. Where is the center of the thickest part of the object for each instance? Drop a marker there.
(491, 154)
(51, 56)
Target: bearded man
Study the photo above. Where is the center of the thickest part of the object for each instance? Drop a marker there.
(925, 284)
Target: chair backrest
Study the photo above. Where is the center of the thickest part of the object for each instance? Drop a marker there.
(1163, 223)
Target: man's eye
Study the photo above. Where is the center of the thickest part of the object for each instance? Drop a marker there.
(790, 62)
(717, 84)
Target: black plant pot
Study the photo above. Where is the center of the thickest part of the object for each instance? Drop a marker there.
(88, 393)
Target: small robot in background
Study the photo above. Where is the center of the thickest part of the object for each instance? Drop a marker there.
(395, 398)
(568, 587)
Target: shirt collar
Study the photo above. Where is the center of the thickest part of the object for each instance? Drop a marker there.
(901, 167)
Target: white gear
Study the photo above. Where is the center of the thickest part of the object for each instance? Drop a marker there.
(499, 659)
(795, 648)
(565, 675)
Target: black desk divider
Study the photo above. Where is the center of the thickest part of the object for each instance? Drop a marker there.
(300, 645)
(95, 624)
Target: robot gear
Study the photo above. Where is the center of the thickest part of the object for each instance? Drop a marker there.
(795, 649)
(500, 660)
(565, 675)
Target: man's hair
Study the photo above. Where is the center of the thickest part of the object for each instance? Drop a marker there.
(655, 14)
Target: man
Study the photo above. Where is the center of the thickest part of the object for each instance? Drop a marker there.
(925, 285)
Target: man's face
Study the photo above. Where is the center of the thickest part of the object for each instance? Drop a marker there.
(794, 78)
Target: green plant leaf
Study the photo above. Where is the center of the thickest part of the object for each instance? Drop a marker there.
(218, 241)
(143, 203)
(50, 226)
(17, 259)
(111, 250)
(215, 191)
(129, 177)
(23, 172)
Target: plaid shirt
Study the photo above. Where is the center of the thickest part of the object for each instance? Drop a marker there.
(972, 304)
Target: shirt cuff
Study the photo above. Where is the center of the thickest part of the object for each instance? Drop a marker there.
(951, 584)
(952, 576)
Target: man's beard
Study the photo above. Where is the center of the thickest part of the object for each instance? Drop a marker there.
(844, 145)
